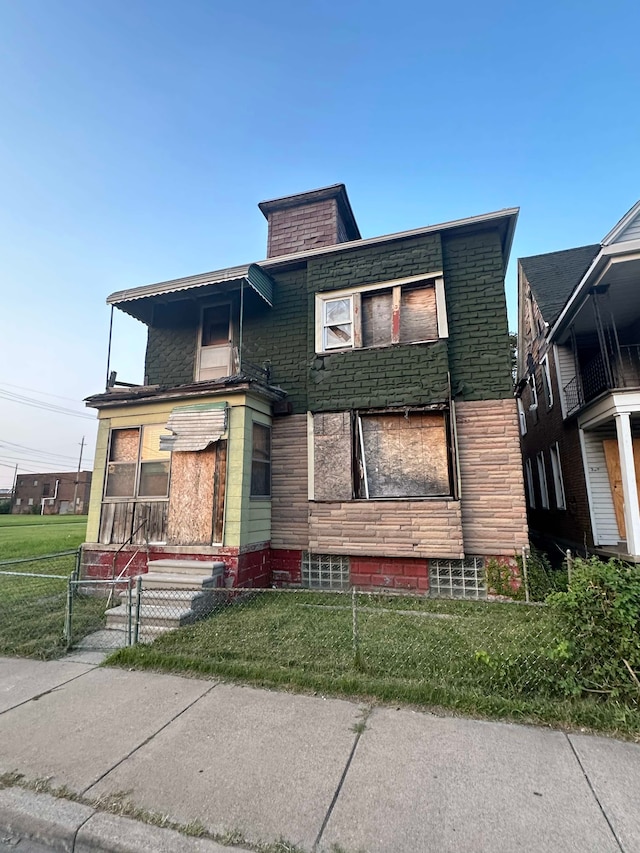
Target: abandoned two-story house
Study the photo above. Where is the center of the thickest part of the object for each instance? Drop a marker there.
(339, 413)
(579, 392)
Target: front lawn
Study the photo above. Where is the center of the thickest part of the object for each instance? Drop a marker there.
(32, 603)
(487, 659)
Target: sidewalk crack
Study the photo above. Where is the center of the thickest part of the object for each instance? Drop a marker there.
(148, 739)
(359, 731)
(595, 796)
(47, 692)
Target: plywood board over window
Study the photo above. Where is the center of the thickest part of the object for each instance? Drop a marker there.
(405, 455)
(333, 460)
(192, 502)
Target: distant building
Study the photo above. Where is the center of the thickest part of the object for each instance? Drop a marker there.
(52, 494)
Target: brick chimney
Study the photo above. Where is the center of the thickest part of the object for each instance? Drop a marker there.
(309, 220)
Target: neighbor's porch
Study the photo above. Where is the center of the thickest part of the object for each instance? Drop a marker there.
(610, 439)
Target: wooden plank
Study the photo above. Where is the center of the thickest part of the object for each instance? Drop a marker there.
(219, 486)
(418, 317)
(190, 520)
(106, 523)
(612, 458)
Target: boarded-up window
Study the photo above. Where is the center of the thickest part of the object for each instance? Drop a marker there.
(377, 318)
(333, 459)
(123, 460)
(403, 456)
(137, 467)
(380, 317)
(261, 462)
(418, 320)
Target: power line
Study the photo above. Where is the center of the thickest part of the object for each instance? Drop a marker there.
(11, 447)
(47, 407)
(35, 391)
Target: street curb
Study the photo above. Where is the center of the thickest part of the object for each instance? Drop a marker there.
(41, 817)
(68, 827)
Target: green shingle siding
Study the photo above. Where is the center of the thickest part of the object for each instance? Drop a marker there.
(279, 335)
(479, 358)
(171, 344)
(476, 354)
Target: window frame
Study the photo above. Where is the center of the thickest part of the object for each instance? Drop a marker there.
(355, 294)
(229, 346)
(546, 381)
(260, 461)
(542, 480)
(558, 480)
(139, 462)
(522, 416)
(352, 455)
(531, 495)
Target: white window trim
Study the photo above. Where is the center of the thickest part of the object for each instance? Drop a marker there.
(558, 482)
(355, 293)
(522, 418)
(531, 495)
(542, 479)
(533, 405)
(548, 389)
(350, 322)
(199, 348)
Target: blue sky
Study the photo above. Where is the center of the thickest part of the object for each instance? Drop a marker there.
(136, 139)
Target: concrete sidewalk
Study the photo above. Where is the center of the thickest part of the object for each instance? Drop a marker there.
(324, 774)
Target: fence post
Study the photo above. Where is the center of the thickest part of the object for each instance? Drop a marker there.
(354, 628)
(136, 626)
(129, 608)
(67, 615)
(525, 576)
(569, 556)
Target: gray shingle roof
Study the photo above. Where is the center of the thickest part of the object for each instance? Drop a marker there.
(554, 276)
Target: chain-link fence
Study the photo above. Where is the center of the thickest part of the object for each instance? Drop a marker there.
(33, 604)
(410, 644)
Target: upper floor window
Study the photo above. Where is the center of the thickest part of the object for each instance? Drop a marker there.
(394, 312)
(215, 353)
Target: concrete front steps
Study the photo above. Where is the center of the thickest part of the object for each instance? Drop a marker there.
(174, 593)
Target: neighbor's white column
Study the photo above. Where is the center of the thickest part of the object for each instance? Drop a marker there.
(629, 485)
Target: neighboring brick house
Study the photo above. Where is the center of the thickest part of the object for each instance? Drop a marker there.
(341, 412)
(52, 494)
(579, 392)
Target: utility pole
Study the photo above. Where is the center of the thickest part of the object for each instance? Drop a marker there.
(15, 486)
(75, 489)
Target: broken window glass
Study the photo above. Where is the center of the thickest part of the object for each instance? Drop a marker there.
(338, 323)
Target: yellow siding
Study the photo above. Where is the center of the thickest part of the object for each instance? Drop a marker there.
(97, 481)
(246, 521)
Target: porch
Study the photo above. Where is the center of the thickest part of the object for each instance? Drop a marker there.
(610, 440)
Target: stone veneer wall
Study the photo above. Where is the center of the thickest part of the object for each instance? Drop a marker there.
(494, 514)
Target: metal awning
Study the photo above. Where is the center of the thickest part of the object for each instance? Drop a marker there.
(138, 301)
(195, 427)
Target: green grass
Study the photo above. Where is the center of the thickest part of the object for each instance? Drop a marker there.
(33, 535)
(32, 609)
(473, 657)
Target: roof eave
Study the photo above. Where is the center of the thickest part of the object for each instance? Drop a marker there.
(510, 215)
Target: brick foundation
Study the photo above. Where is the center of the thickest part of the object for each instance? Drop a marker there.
(262, 566)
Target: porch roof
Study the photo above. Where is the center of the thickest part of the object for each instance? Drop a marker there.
(192, 391)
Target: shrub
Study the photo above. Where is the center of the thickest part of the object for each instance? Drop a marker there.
(600, 619)
(5, 507)
(542, 578)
